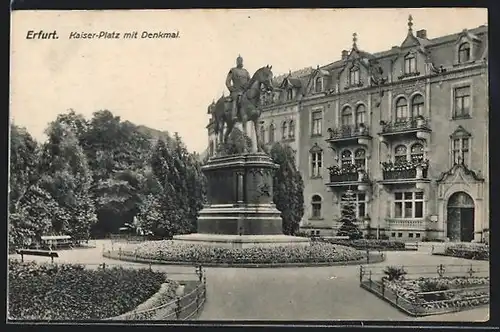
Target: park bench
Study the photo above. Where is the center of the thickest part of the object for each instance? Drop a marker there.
(35, 252)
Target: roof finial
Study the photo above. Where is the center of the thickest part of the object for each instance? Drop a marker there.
(354, 40)
(410, 23)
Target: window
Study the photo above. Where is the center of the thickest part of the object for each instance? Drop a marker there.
(354, 76)
(211, 147)
(360, 158)
(417, 152)
(346, 157)
(410, 235)
(316, 206)
(284, 130)
(393, 234)
(401, 109)
(464, 52)
(317, 232)
(417, 235)
(312, 232)
(346, 116)
(408, 205)
(410, 64)
(318, 86)
(262, 134)
(462, 102)
(360, 114)
(417, 106)
(291, 130)
(360, 204)
(290, 94)
(400, 234)
(400, 154)
(316, 163)
(317, 118)
(460, 150)
(272, 129)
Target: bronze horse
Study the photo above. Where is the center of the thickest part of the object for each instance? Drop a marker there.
(248, 106)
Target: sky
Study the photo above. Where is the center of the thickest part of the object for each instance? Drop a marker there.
(167, 84)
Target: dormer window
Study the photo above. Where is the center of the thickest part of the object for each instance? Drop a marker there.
(354, 76)
(318, 86)
(464, 52)
(289, 94)
(410, 64)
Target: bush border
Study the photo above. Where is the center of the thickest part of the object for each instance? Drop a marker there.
(374, 257)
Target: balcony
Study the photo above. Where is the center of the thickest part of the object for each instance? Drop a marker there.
(348, 176)
(349, 134)
(405, 172)
(418, 126)
(407, 224)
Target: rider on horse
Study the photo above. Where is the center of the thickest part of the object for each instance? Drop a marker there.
(239, 78)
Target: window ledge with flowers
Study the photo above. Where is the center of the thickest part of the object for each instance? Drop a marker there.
(349, 131)
(407, 124)
(461, 117)
(347, 173)
(407, 75)
(414, 169)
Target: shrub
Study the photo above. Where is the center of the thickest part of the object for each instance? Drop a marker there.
(433, 285)
(393, 273)
(364, 244)
(71, 292)
(468, 251)
(172, 251)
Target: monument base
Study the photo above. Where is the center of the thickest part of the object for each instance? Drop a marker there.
(241, 241)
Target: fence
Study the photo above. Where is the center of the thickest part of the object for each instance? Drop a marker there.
(184, 307)
(422, 303)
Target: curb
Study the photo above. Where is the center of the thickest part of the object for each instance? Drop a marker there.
(373, 259)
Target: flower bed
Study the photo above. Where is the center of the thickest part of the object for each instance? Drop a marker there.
(171, 251)
(429, 295)
(444, 292)
(468, 251)
(69, 292)
(364, 244)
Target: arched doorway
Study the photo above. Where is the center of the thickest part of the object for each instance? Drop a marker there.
(460, 217)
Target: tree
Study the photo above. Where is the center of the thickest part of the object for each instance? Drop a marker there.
(67, 178)
(288, 188)
(348, 217)
(119, 154)
(24, 170)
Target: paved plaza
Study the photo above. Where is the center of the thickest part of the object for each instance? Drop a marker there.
(306, 293)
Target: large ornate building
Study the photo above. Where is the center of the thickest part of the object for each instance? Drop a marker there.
(406, 129)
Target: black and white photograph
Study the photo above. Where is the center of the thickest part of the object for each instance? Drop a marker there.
(205, 165)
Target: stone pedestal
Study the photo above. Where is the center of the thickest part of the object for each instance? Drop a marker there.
(240, 209)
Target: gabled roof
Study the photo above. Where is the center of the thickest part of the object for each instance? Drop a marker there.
(469, 35)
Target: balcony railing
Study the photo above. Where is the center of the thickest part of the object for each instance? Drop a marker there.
(404, 174)
(407, 223)
(349, 131)
(405, 125)
(349, 177)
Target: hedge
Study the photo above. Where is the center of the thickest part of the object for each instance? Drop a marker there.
(468, 251)
(71, 292)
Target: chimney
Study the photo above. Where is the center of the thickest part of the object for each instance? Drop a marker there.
(345, 54)
(422, 34)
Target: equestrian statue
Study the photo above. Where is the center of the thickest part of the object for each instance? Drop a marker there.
(243, 103)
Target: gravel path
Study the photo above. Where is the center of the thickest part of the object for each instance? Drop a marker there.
(308, 293)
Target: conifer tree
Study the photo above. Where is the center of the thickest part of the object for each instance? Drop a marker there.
(348, 217)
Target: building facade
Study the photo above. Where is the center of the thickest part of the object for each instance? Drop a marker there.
(406, 129)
